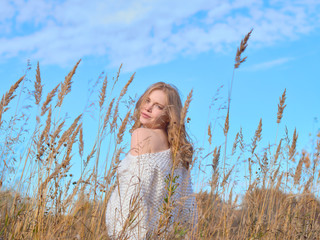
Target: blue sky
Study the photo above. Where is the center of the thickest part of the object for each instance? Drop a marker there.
(191, 44)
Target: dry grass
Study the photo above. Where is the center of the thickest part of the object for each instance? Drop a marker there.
(47, 202)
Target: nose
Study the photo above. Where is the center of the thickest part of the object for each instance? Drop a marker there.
(148, 107)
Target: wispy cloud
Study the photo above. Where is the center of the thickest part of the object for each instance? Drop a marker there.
(143, 33)
(268, 64)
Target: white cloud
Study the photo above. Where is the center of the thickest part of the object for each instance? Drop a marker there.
(268, 64)
(141, 33)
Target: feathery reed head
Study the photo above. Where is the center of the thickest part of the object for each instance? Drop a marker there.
(66, 85)
(226, 125)
(38, 86)
(49, 98)
(281, 106)
(6, 98)
(241, 49)
(292, 149)
(103, 92)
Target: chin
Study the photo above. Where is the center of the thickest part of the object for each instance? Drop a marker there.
(142, 121)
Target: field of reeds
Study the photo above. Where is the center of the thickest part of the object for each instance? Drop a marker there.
(43, 197)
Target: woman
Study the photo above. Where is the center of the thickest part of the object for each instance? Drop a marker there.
(141, 205)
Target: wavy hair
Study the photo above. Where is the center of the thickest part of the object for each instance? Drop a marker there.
(178, 138)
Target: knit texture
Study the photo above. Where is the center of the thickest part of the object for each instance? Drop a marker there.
(141, 191)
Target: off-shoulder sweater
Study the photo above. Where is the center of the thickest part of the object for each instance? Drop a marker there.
(135, 205)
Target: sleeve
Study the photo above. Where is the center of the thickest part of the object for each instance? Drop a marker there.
(134, 176)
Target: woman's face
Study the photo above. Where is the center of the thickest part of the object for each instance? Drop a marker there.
(153, 111)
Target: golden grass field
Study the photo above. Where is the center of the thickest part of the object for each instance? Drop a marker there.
(41, 199)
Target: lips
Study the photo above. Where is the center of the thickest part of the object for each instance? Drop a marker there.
(145, 115)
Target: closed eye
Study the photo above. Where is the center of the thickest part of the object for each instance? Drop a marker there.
(160, 107)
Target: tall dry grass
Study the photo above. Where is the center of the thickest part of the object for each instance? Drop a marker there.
(40, 198)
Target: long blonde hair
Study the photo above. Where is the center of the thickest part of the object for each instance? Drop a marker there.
(180, 145)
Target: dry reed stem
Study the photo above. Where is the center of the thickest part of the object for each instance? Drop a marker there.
(307, 162)
(81, 143)
(292, 149)
(226, 125)
(209, 134)
(257, 137)
(216, 157)
(65, 136)
(185, 108)
(226, 177)
(117, 78)
(66, 85)
(277, 152)
(279, 182)
(235, 143)
(297, 174)
(93, 151)
(125, 88)
(38, 86)
(49, 98)
(307, 186)
(57, 132)
(107, 116)
(281, 106)
(103, 92)
(48, 125)
(72, 139)
(123, 128)
(8, 96)
(44, 136)
(241, 49)
(241, 141)
(113, 125)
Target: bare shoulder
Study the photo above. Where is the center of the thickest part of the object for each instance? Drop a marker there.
(141, 141)
(146, 140)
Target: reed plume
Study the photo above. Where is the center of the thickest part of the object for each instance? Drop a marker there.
(185, 108)
(277, 152)
(257, 137)
(292, 149)
(38, 86)
(81, 143)
(281, 106)
(103, 92)
(209, 134)
(107, 116)
(216, 157)
(122, 93)
(49, 98)
(7, 97)
(226, 177)
(226, 125)
(66, 85)
(123, 127)
(235, 143)
(65, 136)
(241, 49)
(117, 78)
(297, 174)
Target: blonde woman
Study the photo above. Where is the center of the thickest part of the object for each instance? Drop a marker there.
(159, 147)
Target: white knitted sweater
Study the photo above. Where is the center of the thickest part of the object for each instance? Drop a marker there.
(141, 191)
